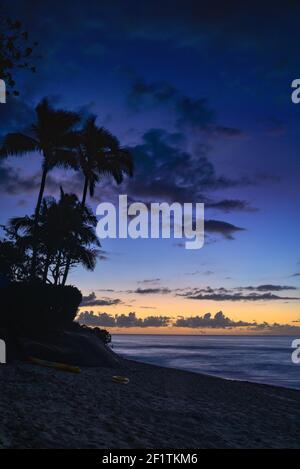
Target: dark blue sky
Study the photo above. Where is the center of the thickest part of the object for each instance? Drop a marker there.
(200, 91)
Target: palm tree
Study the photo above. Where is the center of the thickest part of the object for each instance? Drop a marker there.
(53, 136)
(100, 154)
(65, 237)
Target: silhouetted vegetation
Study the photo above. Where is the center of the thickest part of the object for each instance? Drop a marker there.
(38, 251)
(95, 152)
(63, 237)
(102, 334)
(100, 154)
(16, 51)
(33, 309)
(51, 136)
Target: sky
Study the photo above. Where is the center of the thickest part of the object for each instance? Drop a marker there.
(200, 92)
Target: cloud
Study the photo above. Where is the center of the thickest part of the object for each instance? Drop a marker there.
(13, 182)
(216, 25)
(151, 93)
(195, 113)
(207, 320)
(230, 205)
(224, 294)
(152, 291)
(237, 297)
(198, 272)
(190, 112)
(92, 300)
(150, 280)
(16, 115)
(268, 287)
(297, 274)
(89, 318)
(220, 321)
(227, 230)
(159, 155)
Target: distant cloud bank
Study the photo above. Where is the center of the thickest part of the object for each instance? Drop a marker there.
(207, 321)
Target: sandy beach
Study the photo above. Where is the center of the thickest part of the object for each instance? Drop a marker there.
(159, 408)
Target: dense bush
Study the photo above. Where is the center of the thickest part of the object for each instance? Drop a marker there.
(102, 334)
(35, 309)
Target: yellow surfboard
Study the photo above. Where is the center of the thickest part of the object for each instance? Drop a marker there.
(120, 379)
(58, 366)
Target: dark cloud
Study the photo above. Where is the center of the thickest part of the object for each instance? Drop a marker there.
(198, 272)
(92, 300)
(156, 321)
(15, 116)
(221, 227)
(297, 274)
(150, 280)
(210, 294)
(194, 113)
(13, 182)
(268, 287)
(220, 321)
(158, 157)
(230, 205)
(142, 93)
(226, 132)
(258, 293)
(89, 318)
(152, 291)
(215, 25)
(207, 320)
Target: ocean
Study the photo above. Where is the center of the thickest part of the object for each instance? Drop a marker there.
(263, 359)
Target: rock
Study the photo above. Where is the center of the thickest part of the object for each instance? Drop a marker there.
(75, 348)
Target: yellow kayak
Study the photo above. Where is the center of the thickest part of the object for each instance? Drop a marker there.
(120, 379)
(58, 366)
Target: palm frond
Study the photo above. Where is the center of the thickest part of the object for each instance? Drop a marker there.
(18, 144)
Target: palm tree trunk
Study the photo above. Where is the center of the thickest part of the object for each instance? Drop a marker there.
(84, 194)
(41, 193)
(83, 202)
(66, 272)
(36, 221)
(56, 275)
(46, 268)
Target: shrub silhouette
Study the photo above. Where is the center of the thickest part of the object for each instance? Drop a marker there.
(102, 334)
(35, 309)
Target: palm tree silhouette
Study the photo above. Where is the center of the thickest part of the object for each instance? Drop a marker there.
(100, 154)
(53, 136)
(65, 237)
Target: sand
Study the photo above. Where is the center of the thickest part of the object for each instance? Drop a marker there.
(159, 408)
